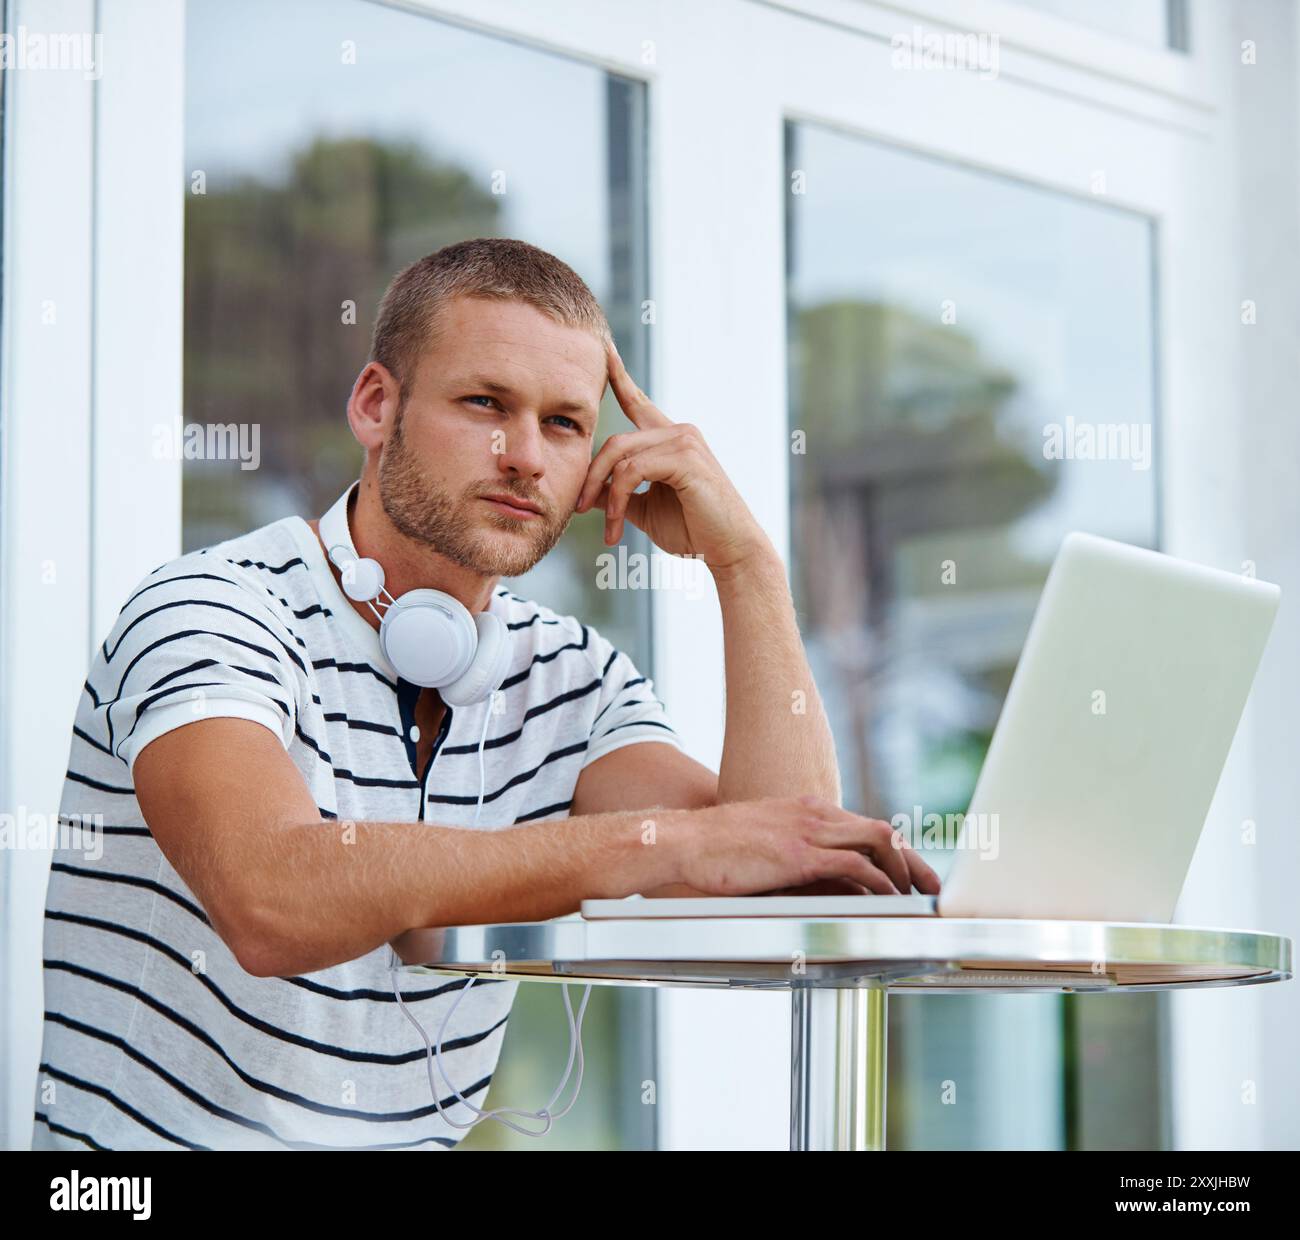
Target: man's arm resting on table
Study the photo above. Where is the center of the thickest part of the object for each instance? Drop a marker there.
(646, 777)
(729, 848)
(290, 892)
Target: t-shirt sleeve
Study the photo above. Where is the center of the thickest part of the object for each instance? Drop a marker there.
(628, 710)
(193, 641)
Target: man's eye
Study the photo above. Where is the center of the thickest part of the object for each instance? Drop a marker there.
(488, 398)
(559, 417)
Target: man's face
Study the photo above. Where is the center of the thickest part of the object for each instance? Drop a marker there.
(505, 404)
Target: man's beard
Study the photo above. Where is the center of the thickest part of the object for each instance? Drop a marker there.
(428, 514)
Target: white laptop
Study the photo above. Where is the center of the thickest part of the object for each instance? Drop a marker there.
(1105, 757)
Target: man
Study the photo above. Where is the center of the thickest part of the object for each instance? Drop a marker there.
(218, 978)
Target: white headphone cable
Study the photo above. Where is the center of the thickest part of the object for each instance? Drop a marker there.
(482, 743)
(546, 1115)
(431, 1051)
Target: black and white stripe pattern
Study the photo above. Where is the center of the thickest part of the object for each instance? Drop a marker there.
(154, 1036)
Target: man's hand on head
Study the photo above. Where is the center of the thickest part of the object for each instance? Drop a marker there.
(690, 507)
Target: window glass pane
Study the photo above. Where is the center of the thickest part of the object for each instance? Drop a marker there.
(1141, 21)
(949, 330)
(333, 142)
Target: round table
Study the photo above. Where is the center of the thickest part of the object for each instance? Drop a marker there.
(840, 971)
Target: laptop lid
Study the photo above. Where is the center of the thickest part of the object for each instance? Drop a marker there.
(1112, 737)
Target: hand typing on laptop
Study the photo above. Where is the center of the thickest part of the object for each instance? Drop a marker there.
(753, 845)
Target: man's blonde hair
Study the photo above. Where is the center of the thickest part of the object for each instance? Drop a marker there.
(497, 268)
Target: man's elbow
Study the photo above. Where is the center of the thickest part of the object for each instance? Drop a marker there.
(255, 942)
(259, 959)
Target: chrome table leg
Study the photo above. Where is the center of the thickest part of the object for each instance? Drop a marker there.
(837, 1068)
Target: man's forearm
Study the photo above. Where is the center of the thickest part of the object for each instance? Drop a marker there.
(777, 741)
(327, 892)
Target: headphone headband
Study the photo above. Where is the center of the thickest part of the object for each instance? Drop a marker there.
(335, 532)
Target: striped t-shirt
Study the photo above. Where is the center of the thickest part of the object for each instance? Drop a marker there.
(154, 1036)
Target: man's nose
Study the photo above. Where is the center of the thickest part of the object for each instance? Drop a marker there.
(521, 451)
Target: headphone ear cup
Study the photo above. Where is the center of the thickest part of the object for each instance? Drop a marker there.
(491, 663)
(429, 637)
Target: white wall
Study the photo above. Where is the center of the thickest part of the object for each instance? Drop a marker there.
(1234, 1041)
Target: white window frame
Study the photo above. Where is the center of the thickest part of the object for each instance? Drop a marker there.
(45, 496)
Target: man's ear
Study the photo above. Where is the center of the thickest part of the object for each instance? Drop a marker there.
(373, 405)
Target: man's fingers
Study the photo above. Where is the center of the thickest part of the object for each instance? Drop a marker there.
(664, 462)
(631, 512)
(611, 452)
(848, 830)
(656, 464)
(892, 861)
(633, 401)
(629, 473)
(923, 877)
(845, 863)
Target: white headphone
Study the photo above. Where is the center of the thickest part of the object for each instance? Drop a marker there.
(428, 636)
